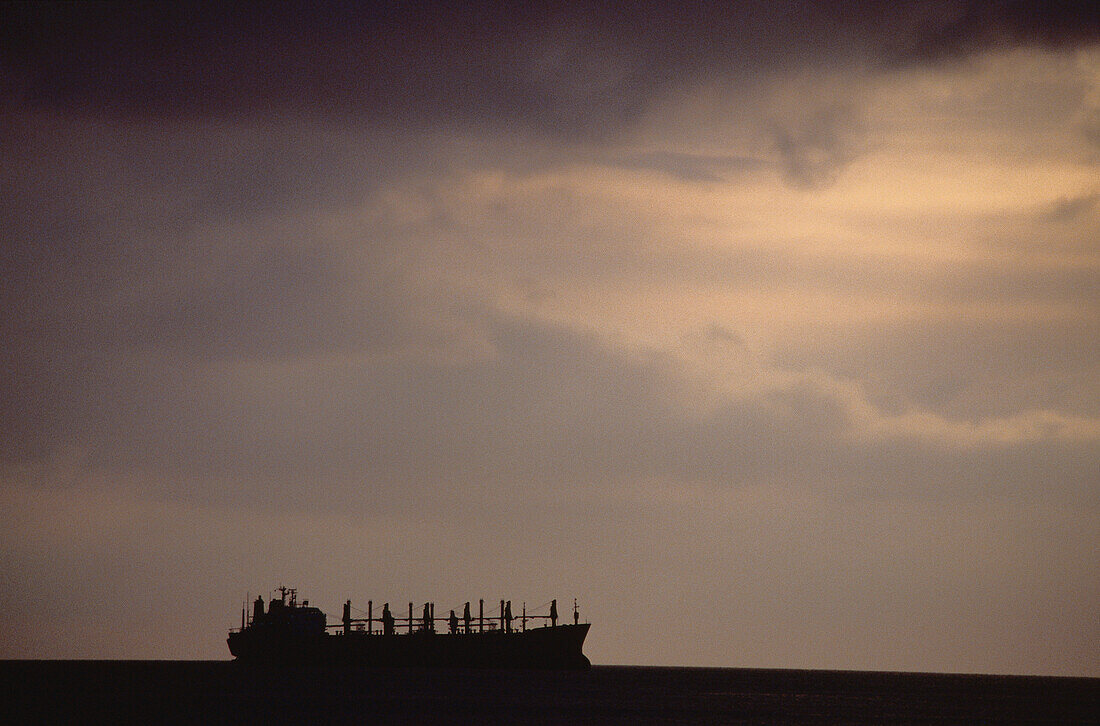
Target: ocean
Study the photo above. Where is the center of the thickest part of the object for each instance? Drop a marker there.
(228, 692)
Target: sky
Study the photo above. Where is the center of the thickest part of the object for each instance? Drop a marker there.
(767, 331)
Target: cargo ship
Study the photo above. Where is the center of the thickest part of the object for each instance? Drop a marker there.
(286, 631)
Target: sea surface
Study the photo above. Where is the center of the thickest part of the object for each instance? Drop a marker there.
(228, 692)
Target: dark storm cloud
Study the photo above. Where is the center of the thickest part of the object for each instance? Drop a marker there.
(956, 29)
(415, 64)
(571, 69)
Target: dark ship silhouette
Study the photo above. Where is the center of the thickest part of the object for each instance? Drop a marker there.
(290, 632)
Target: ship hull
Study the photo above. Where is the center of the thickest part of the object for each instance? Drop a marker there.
(551, 647)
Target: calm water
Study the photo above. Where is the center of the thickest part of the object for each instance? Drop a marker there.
(225, 692)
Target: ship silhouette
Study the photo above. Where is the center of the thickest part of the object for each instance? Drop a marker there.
(288, 632)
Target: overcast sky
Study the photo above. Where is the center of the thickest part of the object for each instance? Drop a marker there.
(767, 331)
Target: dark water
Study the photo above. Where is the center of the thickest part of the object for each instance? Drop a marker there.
(226, 692)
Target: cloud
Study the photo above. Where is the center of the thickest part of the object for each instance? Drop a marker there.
(816, 148)
(578, 72)
(1090, 127)
(958, 28)
(692, 167)
(546, 409)
(535, 284)
(1066, 210)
